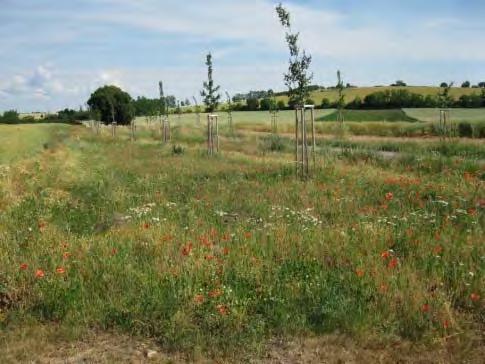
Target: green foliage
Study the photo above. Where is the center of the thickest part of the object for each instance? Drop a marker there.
(445, 100)
(281, 105)
(112, 104)
(297, 79)
(177, 149)
(146, 107)
(471, 101)
(210, 91)
(399, 83)
(465, 130)
(268, 104)
(10, 117)
(252, 104)
(325, 104)
(466, 84)
(391, 99)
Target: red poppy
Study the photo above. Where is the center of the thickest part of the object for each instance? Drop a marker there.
(247, 235)
(213, 232)
(425, 308)
(209, 257)
(39, 273)
(222, 309)
(60, 270)
(199, 298)
(187, 249)
(215, 293)
(472, 211)
(23, 266)
(475, 297)
(386, 254)
(392, 263)
(226, 237)
(389, 196)
(468, 176)
(225, 250)
(204, 240)
(114, 251)
(66, 255)
(438, 249)
(146, 225)
(360, 273)
(446, 324)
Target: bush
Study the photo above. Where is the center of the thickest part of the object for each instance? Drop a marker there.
(177, 150)
(479, 131)
(10, 117)
(465, 130)
(325, 103)
(252, 104)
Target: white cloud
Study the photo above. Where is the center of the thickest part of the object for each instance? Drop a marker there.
(229, 28)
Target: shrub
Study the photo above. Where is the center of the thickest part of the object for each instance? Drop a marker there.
(325, 103)
(177, 150)
(479, 131)
(252, 104)
(465, 130)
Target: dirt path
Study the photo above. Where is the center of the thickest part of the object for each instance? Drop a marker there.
(112, 348)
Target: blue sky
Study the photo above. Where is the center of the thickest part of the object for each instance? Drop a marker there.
(53, 54)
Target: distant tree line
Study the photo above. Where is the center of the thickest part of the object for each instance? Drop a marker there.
(66, 116)
(146, 106)
(392, 99)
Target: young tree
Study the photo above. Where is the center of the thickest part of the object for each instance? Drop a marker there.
(297, 79)
(444, 96)
(341, 98)
(210, 92)
(465, 84)
(230, 108)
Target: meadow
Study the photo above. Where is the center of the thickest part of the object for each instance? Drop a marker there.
(219, 256)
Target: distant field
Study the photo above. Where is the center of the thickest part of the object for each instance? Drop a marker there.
(432, 115)
(241, 118)
(395, 123)
(370, 115)
(352, 93)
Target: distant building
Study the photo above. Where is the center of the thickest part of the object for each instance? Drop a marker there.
(35, 115)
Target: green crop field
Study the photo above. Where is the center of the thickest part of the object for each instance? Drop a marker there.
(370, 115)
(224, 257)
(458, 115)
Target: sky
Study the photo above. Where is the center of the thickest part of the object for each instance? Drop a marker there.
(54, 53)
